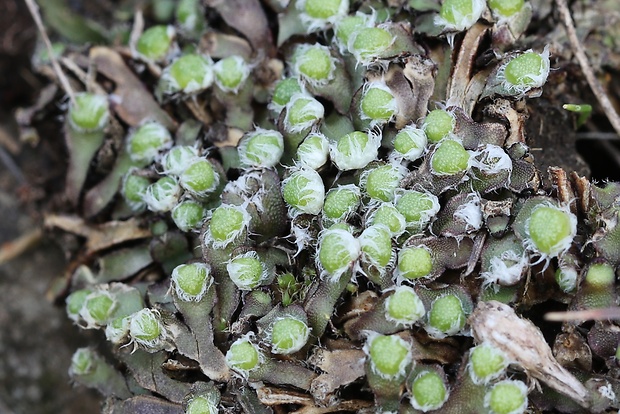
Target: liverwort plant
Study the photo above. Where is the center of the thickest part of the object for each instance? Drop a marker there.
(414, 262)
(378, 103)
(145, 144)
(147, 330)
(368, 43)
(376, 245)
(346, 26)
(231, 73)
(191, 73)
(302, 112)
(87, 119)
(199, 178)
(261, 148)
(283, 92)
(388, 355)
(449, 158)
(303, 191)
(417, 207)
(381, 182)
(341, 202)
(428, 390)
(191, 281)
(459, 15)
(550, 230)
(438, 124)
(189, 215)
(156, 43)
(176, 159)
(163, 195)
(355, 150)
(314, 64)
(486, 363)
(388, 215)
(313, 152)
(244, 356)
(337, 252)
(288, 335)
(228, 224)
(404, 306)
(133, 190)
(506, 8)
(507, 397)
(247, 270)
(524, 72)
(446, 316)
(317, 14)
(409, 143)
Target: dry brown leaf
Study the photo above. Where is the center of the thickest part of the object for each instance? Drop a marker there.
(99, 237)
(523, 343)
(133, 102)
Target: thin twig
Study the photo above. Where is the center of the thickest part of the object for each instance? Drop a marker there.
(11, 250)
(580, 54)
(34, 11)
(585, 315)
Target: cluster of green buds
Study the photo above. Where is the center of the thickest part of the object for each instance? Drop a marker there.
(310, 197)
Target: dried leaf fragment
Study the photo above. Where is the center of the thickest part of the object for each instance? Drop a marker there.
(523, 343)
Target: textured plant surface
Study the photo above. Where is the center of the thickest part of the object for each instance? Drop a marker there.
(330, 206)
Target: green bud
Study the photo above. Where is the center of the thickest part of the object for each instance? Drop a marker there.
(117, 330)
(376, 244)
(314, 64)
(438, 124)
(378, 103)
(348, 25)
(381, 182)
(414, 263)
(147, 141)
(191, 281)
(302, 112)
(188, 74)
(189, 215)
(283, 92)
(428, 391)
(199, 178)
(231, 73)
(389, 355)
(526, 71)
(134, 189)
(355, 150)
(176, 160)
(303, 191)
(313, 151)
(506, 8)
(74, 303)
(388, 215)
(449, 158)
(418, 208)
(368, 43)
(409, 143)
(89, 112)
(83, 361)
(486, 363)
(261, 148)
(147, 330)
(247, 271)
(460, 15)
(243, 356)
(317, 14)
(163, 194)
(190, 15)
(337, 251)
(446, 316)
(288, 335)
(341, 202)
(600, 275)
(550, 230)
(97, 308)
(404, 306)
(507, 397)
(228, 222)
(155, 42)
(202, 404)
